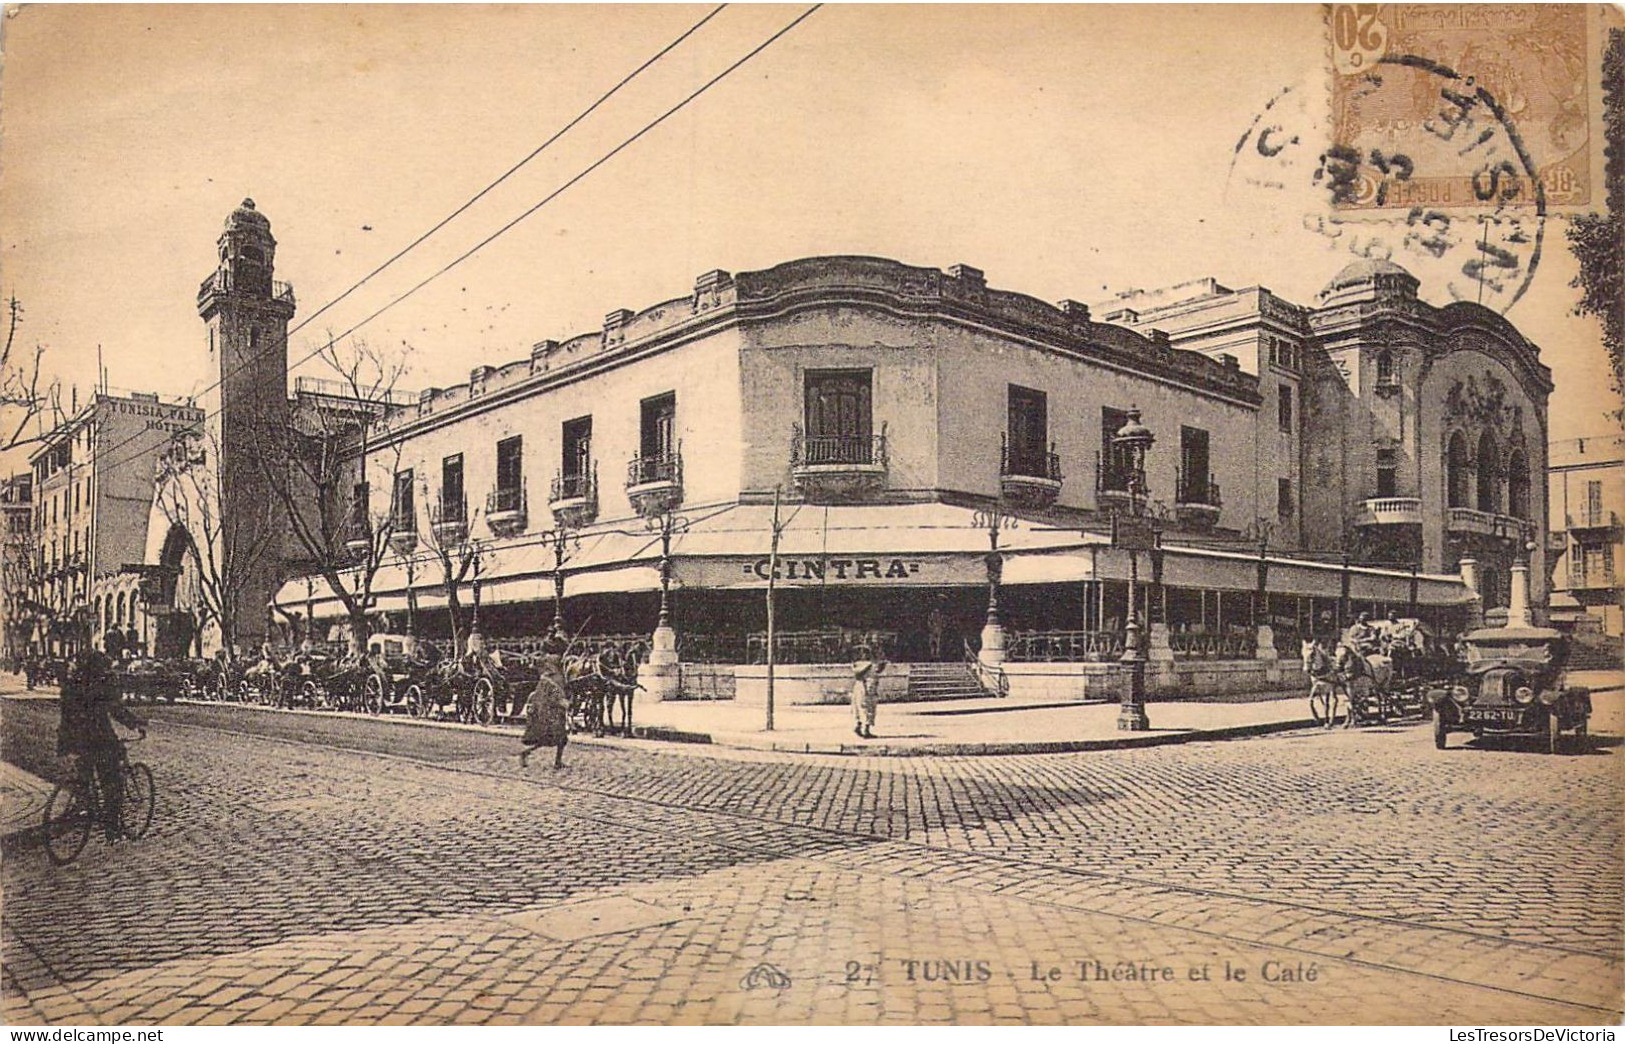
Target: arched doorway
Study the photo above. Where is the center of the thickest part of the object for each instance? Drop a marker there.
(171, 594)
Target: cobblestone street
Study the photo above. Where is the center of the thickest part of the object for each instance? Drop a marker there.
(320, 870)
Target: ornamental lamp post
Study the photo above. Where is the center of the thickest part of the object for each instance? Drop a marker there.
(1136, 439)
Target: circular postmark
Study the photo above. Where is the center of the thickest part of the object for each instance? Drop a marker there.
(1412, 162)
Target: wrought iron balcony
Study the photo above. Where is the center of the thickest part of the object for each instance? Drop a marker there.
(654, 484)
(1601, 579)
(837, 467)
(505, 510)
(1593, 519)
(1390, 511)
(449, 519)
(403, 531)
(574, 497)
(1113, 481)
(1028, 476)
(1467, 521)
(1196, 500)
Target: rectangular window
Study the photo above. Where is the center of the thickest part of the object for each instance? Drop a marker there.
(657, 428)
(402, 505)
(453, 504)
(1284, 408)
(1115, 461)
(510, 463)
(1387, 473)
(1194, 466)
(1594, 500)
(577, 447)
(840, 426)
(1284, 503)
(1027, 435)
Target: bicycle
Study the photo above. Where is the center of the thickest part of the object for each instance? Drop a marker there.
(75, 807)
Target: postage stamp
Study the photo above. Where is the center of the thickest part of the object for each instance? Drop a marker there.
(1460, 105)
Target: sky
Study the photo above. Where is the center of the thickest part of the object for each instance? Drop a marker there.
(1068, 152)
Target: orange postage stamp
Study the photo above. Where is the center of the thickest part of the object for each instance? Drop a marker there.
(1476, 105)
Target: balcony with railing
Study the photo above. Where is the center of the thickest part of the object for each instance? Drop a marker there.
(1029, 476)
(1590, 518)
(654, 484)
(1599, 578)
(218, 282)
(1196, 500)
(1390, 511)
(573, 498)
(505, 510)
(837, 468)
(403, 529)
(1113, 481)
(448, 517)
(1469, 521)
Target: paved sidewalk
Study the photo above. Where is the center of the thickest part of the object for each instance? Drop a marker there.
(960, 727)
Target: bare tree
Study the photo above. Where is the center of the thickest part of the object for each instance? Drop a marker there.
(23, 399)
(450, 538)
(313, 461)
(227, 549)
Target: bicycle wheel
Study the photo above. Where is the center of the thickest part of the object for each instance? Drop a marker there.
(140, 799)
(68, 819)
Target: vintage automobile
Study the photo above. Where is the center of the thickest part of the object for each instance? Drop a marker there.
(398, 668)
(1514, 685)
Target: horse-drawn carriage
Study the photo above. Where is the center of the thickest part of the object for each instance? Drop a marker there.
(1379, 681)
(148, 680)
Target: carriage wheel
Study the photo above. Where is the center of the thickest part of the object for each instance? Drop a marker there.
(310, 693)
(484, 701)
(414, 701)
(372, 694)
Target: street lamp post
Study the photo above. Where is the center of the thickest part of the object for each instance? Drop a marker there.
(993, 519)
(1135, 438)
(564, 541)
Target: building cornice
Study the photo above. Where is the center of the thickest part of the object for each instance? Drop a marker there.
(722, 301)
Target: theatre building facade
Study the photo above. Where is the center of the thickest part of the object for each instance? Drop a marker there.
(917, 462)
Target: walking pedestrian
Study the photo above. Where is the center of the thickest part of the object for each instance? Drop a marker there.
(547, 715)
(865, 693)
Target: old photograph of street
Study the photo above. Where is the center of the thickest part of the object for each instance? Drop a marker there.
(812, 515)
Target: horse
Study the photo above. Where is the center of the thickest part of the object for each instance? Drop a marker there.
(1326, 681)
(1368, 678)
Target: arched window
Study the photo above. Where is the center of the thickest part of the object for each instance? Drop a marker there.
(121, 609)
(1456, 466)
(1518, 484)
(1489, 474)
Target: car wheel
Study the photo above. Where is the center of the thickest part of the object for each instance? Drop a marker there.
(1439, 731)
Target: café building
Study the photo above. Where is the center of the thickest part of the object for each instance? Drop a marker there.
(917, 462)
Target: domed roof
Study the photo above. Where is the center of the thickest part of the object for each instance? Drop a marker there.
(1366, 271)
(246, 215)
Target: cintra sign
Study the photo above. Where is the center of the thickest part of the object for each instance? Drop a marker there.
(820, 570)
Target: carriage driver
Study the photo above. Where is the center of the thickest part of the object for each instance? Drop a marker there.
(1364, 637)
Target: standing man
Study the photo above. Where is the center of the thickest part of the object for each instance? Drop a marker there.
(865, 692)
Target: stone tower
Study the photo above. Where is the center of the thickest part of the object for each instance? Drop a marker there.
(247, 315)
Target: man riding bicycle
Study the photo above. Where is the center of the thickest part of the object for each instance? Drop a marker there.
(90, 704)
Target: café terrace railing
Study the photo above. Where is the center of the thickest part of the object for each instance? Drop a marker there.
(1063, 646)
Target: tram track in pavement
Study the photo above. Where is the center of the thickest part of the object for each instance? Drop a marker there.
(1004, 869)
